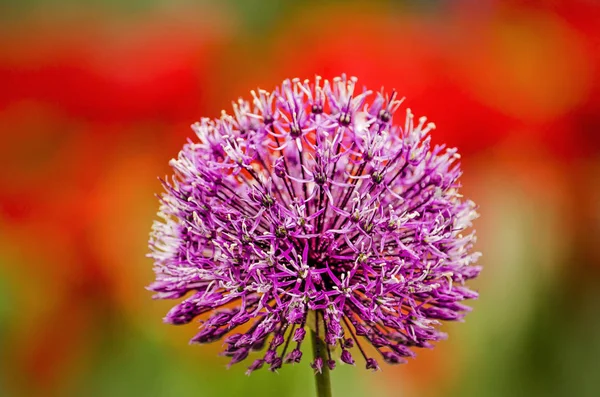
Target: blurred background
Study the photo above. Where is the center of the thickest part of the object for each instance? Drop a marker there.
(97, 96)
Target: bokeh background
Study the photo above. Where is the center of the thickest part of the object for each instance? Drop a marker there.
(97, 96)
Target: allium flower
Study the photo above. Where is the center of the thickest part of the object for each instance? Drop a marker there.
(309, 209)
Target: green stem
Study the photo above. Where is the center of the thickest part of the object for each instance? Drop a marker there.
(321, 379)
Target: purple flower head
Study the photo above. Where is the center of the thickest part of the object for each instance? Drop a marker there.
(308, 207)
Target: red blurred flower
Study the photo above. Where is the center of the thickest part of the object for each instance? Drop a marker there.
(536, 62)
(152, 69)
(78, 97)
(481, 74)
(409, 53)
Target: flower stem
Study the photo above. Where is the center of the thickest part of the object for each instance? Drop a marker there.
(322, 379)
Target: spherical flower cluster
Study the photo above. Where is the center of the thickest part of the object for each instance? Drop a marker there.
(309, 209)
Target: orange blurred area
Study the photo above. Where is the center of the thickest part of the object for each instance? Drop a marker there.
(95, 100)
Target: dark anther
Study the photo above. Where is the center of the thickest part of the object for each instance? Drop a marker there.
(281, 232)
(405, 173)
(268, 119)
(189, 218)
(437, 179)
(392, 225)
(295, 131)
(280, 172)
(210, 191)
(320, 178)
(345, 119)
(384, 115)
(261, 244)
(268, 201)
(377, 177)
(317, 109)
(362, 258)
